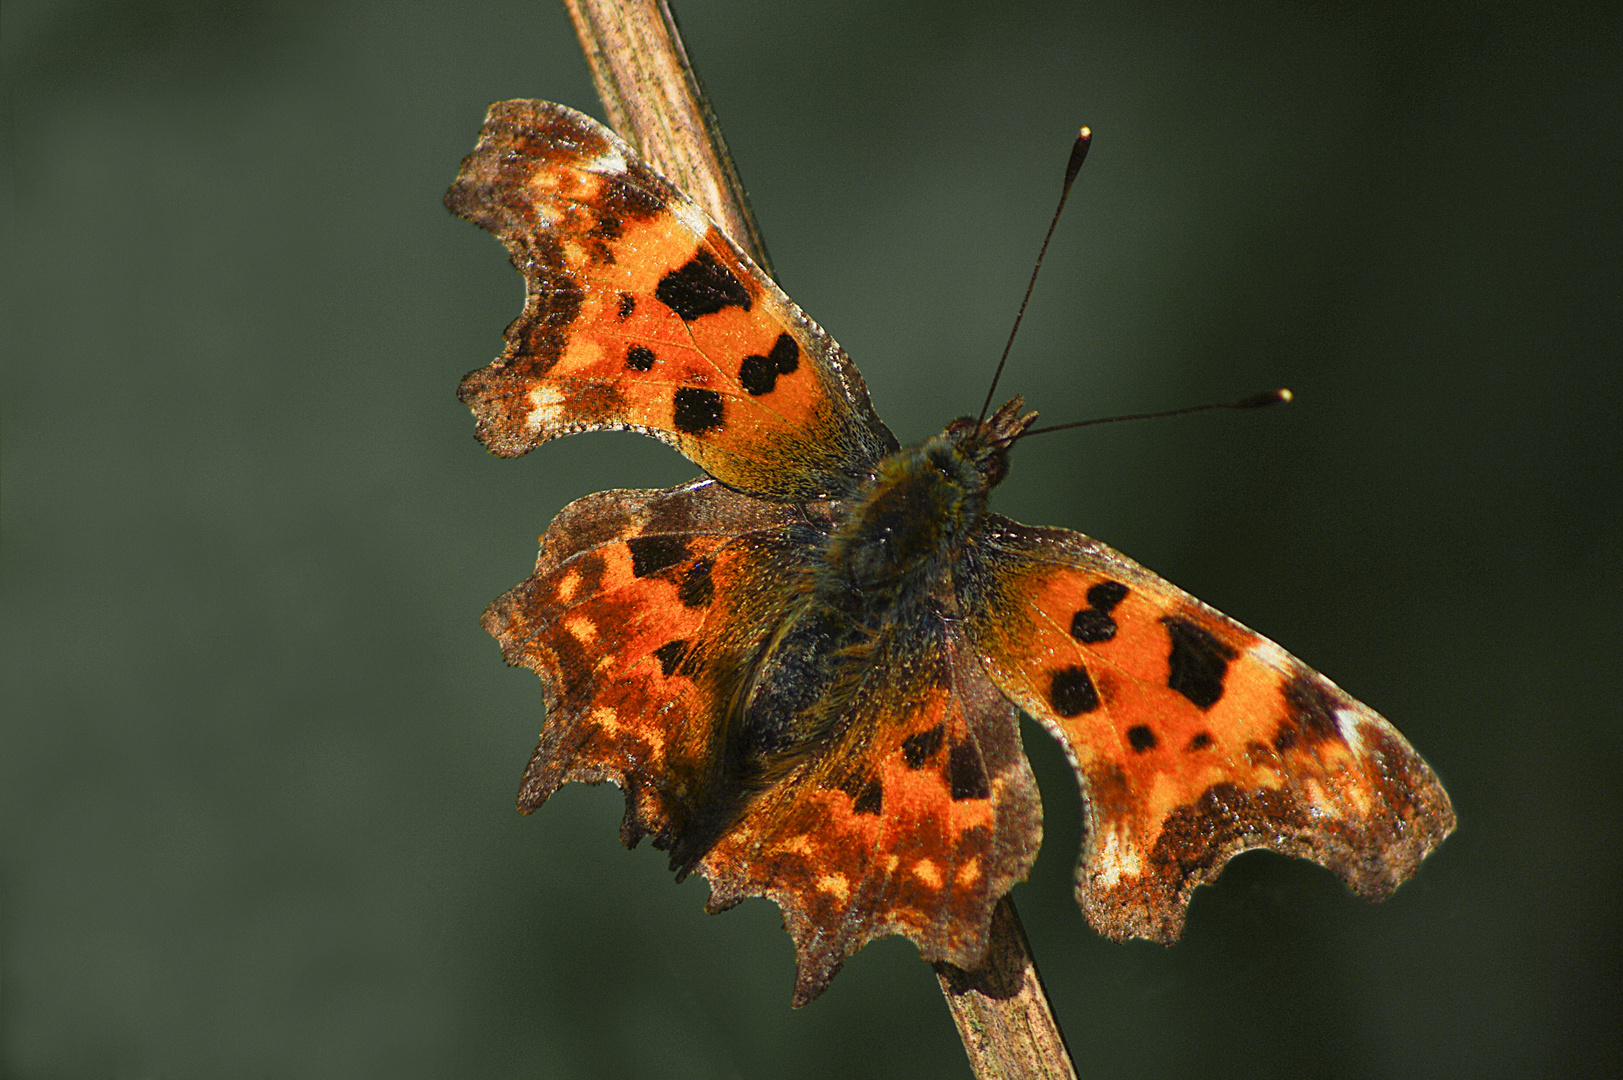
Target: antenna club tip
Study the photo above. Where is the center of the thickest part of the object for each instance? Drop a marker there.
(1079, 154)
(1257, 401)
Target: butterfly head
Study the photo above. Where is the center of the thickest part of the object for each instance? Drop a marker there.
(985, 446)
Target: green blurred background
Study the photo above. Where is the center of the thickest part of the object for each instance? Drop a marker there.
(258, 759)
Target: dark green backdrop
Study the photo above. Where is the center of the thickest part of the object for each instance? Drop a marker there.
(258, 758)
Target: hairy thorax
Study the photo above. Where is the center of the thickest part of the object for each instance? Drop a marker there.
(885, 564)
(903, 531)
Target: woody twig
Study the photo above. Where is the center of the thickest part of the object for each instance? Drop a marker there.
(654, 100)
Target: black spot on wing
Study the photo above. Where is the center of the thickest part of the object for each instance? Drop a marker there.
(1200, 742)
(966, 776)
(1072, 692)
(1091, 626)
(640, 358)
(1106, 595)
(670, 655)
(1093, 623)
(697, 588)
(651, 554)
(917, 747)
(866, 791)
(1141, 738)
(701, 286)
(1198, 662)
(785, 354)
(696, 410)
(759, 374)
(628, 304)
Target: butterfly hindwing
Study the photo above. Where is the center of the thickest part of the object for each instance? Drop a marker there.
(644, 608)
(1193, 737)
(915, 820)
(640, 313)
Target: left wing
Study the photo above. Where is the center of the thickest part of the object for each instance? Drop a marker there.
(640, 313)
(1193, 737)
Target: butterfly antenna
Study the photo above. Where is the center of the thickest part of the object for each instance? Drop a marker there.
(1255, 401)
(1079, 153)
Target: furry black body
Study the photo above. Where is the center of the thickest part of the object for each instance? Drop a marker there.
(877, 581)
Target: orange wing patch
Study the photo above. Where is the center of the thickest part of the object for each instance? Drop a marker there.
(1194, 737)
(643, 609)
(640, 313)
(916, 822)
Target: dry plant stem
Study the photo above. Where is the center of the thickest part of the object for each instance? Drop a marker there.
(1002, 1010)
(655, 102)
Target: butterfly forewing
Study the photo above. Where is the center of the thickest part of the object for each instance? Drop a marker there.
(1193, 737)
(640, 313)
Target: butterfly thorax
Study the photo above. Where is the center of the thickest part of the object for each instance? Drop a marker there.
(903, 526)
(901, 531)
(882, 574)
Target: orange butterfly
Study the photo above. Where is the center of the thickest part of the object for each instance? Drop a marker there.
(806, 670)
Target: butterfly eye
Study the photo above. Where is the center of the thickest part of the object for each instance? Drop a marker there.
(993, 467)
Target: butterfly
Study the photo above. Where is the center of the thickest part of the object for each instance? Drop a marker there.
(805, 669)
